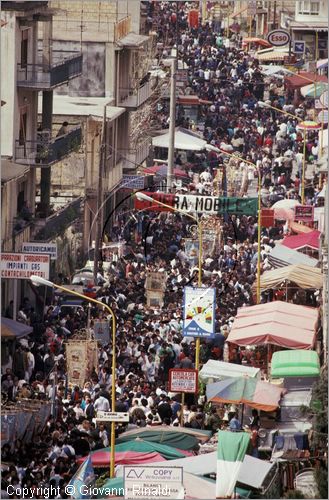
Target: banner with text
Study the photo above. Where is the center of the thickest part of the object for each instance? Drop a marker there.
(197, 203)
(199, 312)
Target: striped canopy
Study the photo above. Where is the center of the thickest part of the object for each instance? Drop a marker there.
(309, 125)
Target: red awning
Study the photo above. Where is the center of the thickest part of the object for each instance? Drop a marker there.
(301, 79)
(311, 240)
(257, 41)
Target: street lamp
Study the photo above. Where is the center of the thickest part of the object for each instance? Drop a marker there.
(259, 229)
(37, 280)
(265, 105)
(144, 197)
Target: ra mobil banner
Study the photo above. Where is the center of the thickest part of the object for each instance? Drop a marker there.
(211, 205)
(199, 312)
(76, 354)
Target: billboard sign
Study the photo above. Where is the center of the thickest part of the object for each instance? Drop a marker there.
(199, 312)
(24, 265)
(183, 380)
(43, 248)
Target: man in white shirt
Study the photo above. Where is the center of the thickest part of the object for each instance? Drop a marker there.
(101, 404)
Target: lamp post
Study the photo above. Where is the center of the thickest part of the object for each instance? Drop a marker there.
(145, 197)
(37, 280)
(264, 105)
(259, 218)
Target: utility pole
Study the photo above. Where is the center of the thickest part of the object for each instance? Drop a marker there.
(274, 15)
(98, 236)
(172, 123)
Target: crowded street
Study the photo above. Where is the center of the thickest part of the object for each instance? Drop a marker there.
(184, 346)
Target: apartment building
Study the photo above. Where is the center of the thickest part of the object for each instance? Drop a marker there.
(27, 73)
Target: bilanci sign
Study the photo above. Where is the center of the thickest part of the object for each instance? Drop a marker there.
(212, 205)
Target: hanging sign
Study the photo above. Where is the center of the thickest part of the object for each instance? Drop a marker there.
(23, 266)
(183, 380)
(304, 213)
(299, 46)
(43, 248)
(211, 205)
(199, 312)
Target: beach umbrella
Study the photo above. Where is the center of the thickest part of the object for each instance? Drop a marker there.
(308, 125)
(243, 390)
(323, 116)
(285, 209)
(11, 329)
(314, 91)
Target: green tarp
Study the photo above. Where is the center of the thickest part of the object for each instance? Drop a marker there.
(174, 439)
(295, 363)
(140, 445)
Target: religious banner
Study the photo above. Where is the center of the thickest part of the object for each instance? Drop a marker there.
(192, 251)
(76, 354)
(156, 281)
(92, 357)
(154, 298)
(102, 332)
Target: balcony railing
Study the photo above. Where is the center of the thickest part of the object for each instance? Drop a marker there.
(132, 158)
(44, 153)
(19, 236)
(133, 98)
(43, 76)
(55, 224)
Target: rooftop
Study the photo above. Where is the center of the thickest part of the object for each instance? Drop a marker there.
(83, 106)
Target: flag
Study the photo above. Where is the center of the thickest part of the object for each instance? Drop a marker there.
(232, 447)
(84, 476)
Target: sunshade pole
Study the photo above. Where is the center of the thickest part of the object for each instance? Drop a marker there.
(242, 412)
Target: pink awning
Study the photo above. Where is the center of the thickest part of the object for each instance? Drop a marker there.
(278, 323)
(101, 458)
(311, 239)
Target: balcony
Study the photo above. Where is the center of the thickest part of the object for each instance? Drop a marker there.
(133, 158)
(57, 223)
(47, 77)
(43, 153)
(20, 234)
(133, 98)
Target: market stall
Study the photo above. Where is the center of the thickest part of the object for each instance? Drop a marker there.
(308, 243)
(281, 256)
(215, 370)
(298, 363)
(301, 276)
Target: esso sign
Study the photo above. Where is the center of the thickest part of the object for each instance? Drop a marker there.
(278, 38)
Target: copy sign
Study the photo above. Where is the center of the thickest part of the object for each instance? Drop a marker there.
(199, 312)
(183, 380)
(151, 483)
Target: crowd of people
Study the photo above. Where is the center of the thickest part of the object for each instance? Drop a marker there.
(149, 340)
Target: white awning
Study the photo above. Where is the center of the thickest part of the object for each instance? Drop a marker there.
(184, 140)
(282, 256)
(269, 70)
(219, 370)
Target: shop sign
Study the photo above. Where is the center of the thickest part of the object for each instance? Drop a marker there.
(199, 312)
(299, 46)
(23, 266)
(278, 38)
(183, 380)
(211, 205)
(304, 213)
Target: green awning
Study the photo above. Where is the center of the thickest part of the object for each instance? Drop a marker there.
(295, 363)
(174, 439)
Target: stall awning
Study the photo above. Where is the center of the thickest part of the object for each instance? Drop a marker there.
(271, 55)
(249, 391)
(257, 41)
(311, 240)
(218, 370)
(303, 276)
(282, 256)
(11, 329)
(303, 78)
(298, 363)
(184, 140)
(278, 323)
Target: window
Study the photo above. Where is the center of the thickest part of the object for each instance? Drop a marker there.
(24, 48)
(309, 7)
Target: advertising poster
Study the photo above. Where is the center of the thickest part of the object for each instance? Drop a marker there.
(199, 312)
(76, 353)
